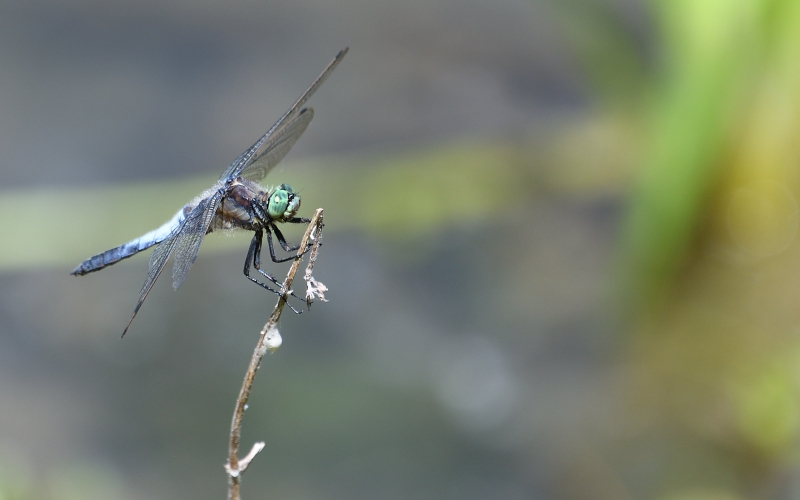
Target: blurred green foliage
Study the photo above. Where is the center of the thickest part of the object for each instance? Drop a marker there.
(708, 256)
(397, 196)
(707, 263)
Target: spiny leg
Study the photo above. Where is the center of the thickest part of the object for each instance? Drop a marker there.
(283, 243)
(257, 263)
(286, 247)
(301, 220)
(254, 255)
(252, 252)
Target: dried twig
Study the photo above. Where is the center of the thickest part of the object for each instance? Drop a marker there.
(269, 340)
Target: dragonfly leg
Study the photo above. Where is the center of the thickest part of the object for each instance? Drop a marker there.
(301, 220)
(254, 256)
(283, 243)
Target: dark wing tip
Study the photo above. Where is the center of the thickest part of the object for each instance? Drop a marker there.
(131, 320)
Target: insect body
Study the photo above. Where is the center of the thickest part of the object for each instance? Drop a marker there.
(235, 201)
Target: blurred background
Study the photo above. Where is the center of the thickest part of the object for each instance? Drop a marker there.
(560, 244)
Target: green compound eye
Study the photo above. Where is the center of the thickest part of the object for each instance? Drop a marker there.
(278, 203)
(283, 203)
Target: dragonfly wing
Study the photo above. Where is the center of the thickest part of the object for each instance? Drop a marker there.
(184, 242)
(189, 238)
(158, 259)
(278, 147)
(240, 163)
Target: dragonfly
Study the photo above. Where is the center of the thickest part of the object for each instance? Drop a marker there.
(236, 201)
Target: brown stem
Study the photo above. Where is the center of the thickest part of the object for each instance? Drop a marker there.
(236, 467)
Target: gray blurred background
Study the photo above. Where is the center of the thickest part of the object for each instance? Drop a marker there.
(474, 160)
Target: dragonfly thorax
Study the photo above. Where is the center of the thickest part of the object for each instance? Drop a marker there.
(250, 206)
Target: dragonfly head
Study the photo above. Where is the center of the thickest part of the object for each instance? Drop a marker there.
(283, 203)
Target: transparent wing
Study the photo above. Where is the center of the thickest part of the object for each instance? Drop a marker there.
(278, 147)
(184, 242)
(240, 163)
(188, 240)
(158, 259)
